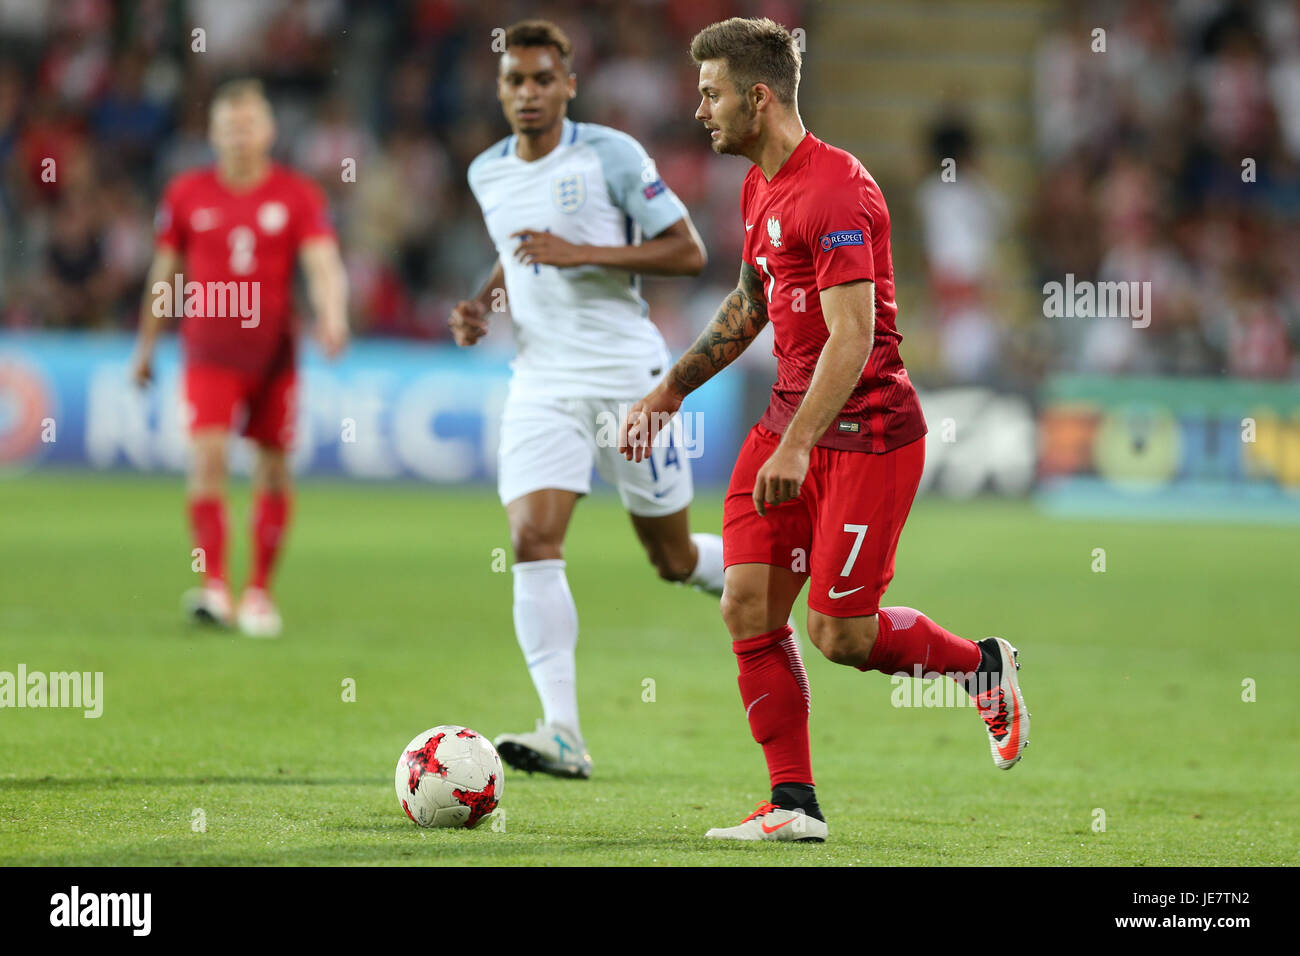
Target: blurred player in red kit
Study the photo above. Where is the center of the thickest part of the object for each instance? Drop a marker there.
(825, 480)
(229, 236)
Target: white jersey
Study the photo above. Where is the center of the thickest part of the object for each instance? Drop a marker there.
(580, 332)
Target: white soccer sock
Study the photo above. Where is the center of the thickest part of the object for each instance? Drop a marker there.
(546, 626)
(707, 575)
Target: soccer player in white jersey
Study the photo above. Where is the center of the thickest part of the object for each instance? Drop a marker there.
(576, 211)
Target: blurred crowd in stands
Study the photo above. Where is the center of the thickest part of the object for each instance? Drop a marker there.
(1140, 151)
(114, 95)
(1174, 158)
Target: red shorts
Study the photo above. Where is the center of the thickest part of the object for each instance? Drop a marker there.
(842, 530)
(215, 395)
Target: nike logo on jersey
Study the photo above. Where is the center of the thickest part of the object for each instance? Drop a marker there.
(833, 595)
(749, 226)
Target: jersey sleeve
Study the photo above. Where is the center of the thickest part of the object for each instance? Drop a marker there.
(839, 233)
(313, 219)
(635, 185)
(168, 222)
(471, 178)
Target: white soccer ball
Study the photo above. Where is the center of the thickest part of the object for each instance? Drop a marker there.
(449, 776)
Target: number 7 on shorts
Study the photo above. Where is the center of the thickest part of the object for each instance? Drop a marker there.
(861, 531)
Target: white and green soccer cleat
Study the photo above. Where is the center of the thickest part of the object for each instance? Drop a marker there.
(770, 822)
(548, 749)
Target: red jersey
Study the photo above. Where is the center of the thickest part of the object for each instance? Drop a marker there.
(821, 222)
(250, 238)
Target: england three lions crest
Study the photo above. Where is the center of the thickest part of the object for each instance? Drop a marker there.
(570, 192)
(774, 232)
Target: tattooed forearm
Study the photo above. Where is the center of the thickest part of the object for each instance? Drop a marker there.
(739, 319)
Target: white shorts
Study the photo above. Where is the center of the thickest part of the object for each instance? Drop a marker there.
(553, 443)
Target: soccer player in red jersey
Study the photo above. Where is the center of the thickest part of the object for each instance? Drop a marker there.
(825, 480)
(228, 237)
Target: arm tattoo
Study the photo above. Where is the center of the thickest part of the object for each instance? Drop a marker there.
(739, 319)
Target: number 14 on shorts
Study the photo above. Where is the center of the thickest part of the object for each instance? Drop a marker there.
(670, 459)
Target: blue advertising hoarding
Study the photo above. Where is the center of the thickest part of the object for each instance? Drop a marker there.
(387, 410)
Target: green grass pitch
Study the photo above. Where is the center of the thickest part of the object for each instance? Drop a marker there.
(1134, 676)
